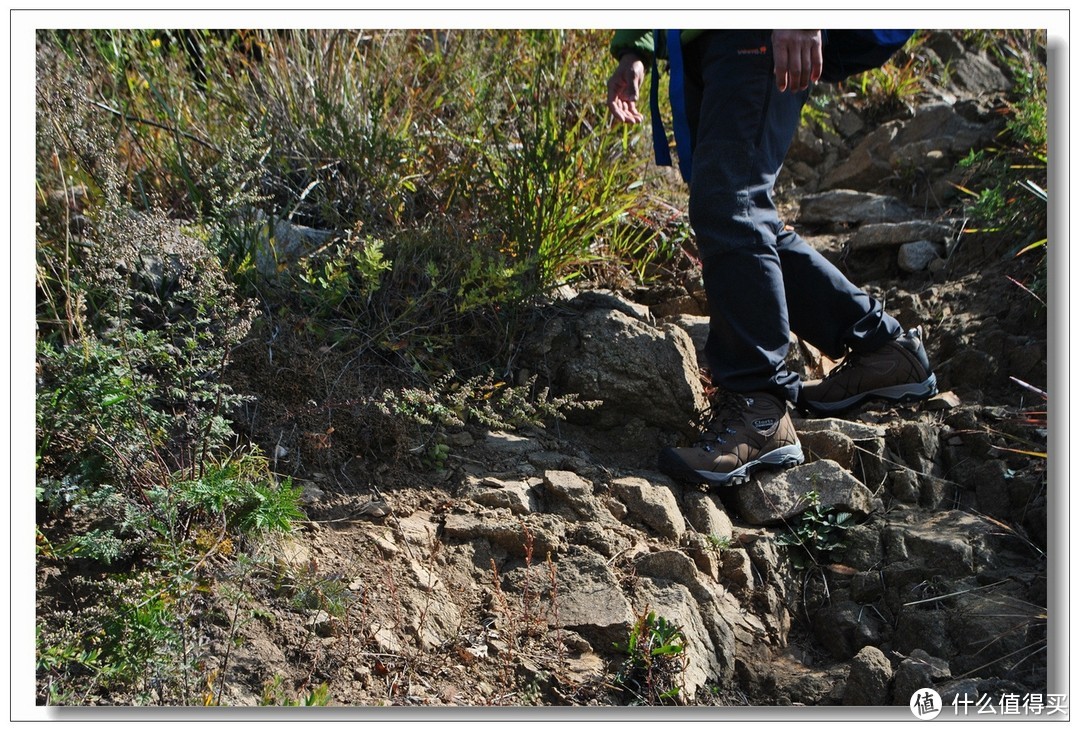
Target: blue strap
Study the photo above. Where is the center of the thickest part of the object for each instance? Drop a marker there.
(659, 134)
(678, 103)
(678, 106)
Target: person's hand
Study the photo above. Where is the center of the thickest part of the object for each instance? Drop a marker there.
(796, 58)
(623, 88)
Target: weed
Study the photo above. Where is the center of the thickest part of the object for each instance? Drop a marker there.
(654, 649)
(351, 268)
(275, 694)
(815, 113)
(817, 531)
(718, 544)
(480, 400)
(1006, 184)
(1033, 419)
(525, 618)
(891, 87)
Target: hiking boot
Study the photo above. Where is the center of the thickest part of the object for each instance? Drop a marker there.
(746, 432)
(897, 371)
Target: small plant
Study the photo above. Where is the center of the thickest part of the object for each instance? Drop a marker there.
(655, 659)
(817, 531)
(481, 400)
(891, 88)
(718, 544)
(526, 616)
(275, 694)
(351, 268)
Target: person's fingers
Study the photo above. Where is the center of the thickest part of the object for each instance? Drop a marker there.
(817, 61)
(623, 87)
(804, 66)
(780, 65)
(797, 59)
(625, 111)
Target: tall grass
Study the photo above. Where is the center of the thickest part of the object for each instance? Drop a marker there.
(403, 195)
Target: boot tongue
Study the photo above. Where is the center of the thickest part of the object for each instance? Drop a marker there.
(730, 409)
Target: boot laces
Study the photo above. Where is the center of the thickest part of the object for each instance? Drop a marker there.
(850, 361)
(715, 422)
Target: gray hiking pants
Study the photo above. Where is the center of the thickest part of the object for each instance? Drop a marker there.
(762, 281)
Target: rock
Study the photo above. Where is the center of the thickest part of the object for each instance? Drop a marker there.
(830, 445)
(950, 543)
(806, 148)
(917, 444)
(856, 430)
(919, 670)
(851, 207)
(867, 164)
(779, 496)
(879, 235)
(590, 602)
(509, 534)
(868, 679)
(946, 46)
(866, 587)
(709, 649)
(974, 75)
(575, 493)
(863, 548)
(323, 624)
(650, 503)
(429, 612)
(310, 494)
(513, 445)
(942, 402)
(289, 242)
(737, 568)
(597, 353)
(858, 447)
(598, 299)
(675, 566)
(939, 127)
(844, 628)
(697, 327)
(704, 553)
(969, 368)
(704, 513)
(992, 489)
(516, 495)
(992, 629)
(916, 256)
(599, 537)
(903, 485)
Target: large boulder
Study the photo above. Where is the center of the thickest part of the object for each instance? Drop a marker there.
(645, 377)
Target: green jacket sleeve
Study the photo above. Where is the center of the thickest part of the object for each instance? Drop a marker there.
(638, 41)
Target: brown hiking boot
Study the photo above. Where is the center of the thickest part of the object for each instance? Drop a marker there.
(746, 432)
(897, 371)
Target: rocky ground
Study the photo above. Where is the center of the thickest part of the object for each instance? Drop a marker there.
(516, 569)
(532, 567)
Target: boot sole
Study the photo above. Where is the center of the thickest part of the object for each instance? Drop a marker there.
(904, 393)
(782, 458)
